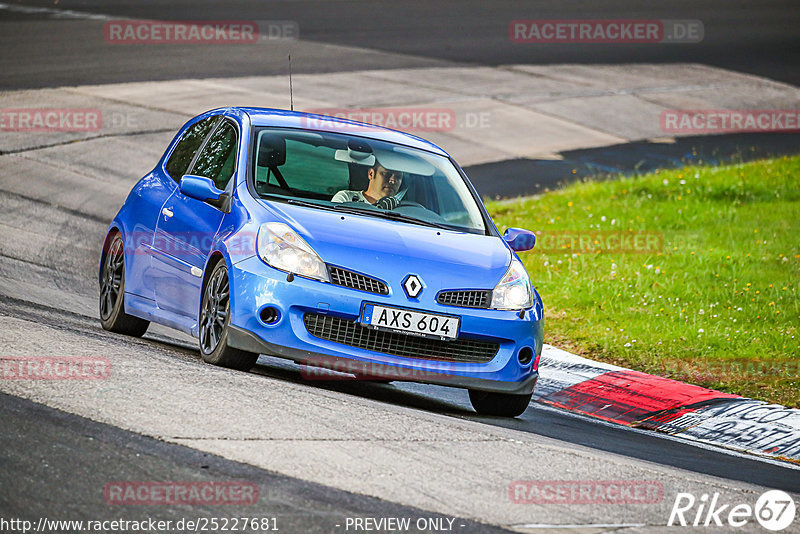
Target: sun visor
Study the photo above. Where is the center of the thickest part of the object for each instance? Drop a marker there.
(402, 161)
(350, 156)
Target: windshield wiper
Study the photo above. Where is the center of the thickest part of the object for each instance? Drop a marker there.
(375, 212)
(407, 218)
(295, 201)
(391, 215)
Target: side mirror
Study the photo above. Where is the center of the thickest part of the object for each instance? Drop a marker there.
(519, 240)
(202, 189)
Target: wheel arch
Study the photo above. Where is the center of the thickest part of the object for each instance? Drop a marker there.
(113, 231)
(213, 260)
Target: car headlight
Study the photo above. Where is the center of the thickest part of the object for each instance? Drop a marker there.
(282, 248)
(514, 290)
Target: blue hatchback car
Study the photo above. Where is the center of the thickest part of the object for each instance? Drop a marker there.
(345, 247)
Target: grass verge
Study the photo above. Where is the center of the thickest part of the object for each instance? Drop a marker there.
(690, 274)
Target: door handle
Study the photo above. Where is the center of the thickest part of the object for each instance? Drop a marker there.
(166, 212)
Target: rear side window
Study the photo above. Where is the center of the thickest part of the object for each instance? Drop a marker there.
(217, 160)
(181, 157)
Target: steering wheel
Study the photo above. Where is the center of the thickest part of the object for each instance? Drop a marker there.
(387, 203)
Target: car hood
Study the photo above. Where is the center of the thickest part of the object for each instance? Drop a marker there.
(391, 250)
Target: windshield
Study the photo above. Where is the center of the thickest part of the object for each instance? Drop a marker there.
(349, 173)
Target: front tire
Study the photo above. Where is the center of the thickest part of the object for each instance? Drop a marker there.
(112, 294)
(500, 404)
(215, 322)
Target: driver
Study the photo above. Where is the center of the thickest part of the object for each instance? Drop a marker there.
(383, 186)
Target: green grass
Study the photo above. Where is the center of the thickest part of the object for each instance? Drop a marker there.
(715, 303)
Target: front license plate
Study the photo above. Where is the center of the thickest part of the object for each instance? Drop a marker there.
(411, 322)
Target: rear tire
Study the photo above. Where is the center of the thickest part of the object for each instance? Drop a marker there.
(500, 404)
(112, 294)
(215, 323)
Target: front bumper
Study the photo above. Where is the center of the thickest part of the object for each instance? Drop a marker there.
(255, 285)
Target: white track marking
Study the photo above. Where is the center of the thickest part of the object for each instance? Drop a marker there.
(55, 13)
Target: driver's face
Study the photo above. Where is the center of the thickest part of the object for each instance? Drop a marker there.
(384, 182)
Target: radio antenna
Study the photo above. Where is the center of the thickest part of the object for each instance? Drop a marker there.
(291, 97)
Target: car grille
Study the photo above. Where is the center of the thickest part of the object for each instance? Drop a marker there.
(354, 334)
(343, 277)
(465, 298)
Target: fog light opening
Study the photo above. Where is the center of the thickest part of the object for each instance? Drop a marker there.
(525, 355)
(269, 315)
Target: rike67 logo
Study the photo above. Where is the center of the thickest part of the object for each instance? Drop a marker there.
(774, 510)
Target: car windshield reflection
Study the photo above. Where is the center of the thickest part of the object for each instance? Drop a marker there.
(363, 176)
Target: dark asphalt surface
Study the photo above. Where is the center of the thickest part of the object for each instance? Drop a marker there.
(54, 464)
(542, 420)
(502, 179)
(58, 468)
(762, 38)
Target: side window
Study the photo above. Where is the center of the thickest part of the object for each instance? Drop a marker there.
(181, 157)
(217, 160)
(314, 168)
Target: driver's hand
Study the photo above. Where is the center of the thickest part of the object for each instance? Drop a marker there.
(387, 203)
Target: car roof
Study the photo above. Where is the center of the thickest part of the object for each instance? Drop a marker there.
(325, 123)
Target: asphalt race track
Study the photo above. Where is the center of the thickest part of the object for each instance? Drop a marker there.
(71, 446)
(762, 38)
(320, 453)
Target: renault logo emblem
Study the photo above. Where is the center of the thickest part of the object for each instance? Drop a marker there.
(412, 285)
